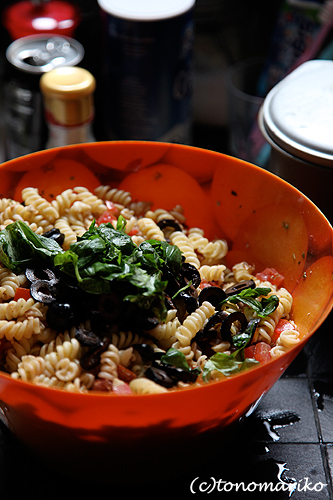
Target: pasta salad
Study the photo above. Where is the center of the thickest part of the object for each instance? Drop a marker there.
(99, 292)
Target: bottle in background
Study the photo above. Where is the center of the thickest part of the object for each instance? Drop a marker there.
(69, 105)
(148, 60)
(27, 58)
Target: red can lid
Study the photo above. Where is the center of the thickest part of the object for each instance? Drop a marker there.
(30, 18)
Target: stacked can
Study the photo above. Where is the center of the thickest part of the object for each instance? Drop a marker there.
(27, 59)
(149, 69)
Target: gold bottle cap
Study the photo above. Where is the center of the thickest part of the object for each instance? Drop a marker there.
(68, 95)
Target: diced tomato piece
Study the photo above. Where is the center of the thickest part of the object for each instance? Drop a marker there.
(249, 351)
(125, 374)
(122, 389)
(262, 353)
(111, 206)
(107, 216)
(132, 232)
(272, 275)
(203, 283)
(110, 214)
(22, 293)
(282, 325)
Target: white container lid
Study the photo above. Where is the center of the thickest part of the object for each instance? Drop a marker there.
(297, 113)
(146, 10)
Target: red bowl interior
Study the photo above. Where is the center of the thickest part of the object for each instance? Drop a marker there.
(265, 221)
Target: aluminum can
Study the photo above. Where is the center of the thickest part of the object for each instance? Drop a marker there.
(27, 58)
(149, 69)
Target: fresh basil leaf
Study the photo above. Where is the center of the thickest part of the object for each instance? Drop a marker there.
(269, 305)
(175, 358)
(121, 223)
(20, 247)
(225, 364)
(240, 340)
(249, 297)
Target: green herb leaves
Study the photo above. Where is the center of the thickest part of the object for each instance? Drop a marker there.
(226, 364)
(176, 358)
(101, 260)
(20, 248)
(105, 258)
(263, 307)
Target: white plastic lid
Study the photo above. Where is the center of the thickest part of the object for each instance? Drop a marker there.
(297, 113)
(146, 10)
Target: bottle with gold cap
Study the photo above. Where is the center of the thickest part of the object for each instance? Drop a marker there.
(69, 106)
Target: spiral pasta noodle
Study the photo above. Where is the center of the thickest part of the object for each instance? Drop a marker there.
(193, 323)
(183, 242)
(150, 229)
(32, 351)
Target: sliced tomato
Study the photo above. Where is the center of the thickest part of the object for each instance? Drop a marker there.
(249, 351)
(110, 214)
(122, 389)
(282, 325)
(106, 216)
(22, 293)
(272, 275)
(262, 353)
(125, 374)
(259, 352)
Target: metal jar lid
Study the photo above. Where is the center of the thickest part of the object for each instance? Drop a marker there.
(67, 93)
(297, 114)
(38, 54)
(146, 10)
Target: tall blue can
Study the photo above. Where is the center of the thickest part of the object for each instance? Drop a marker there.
(148, 57)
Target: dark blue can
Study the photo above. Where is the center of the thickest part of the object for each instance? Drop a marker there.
(149, 69)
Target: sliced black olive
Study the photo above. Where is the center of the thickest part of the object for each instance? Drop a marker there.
(213, 294)
(204, 334)
(191, 273)
(92, 358)
(146, 323)
(251, 328)
(191, 302)
(228, 322)
(239, 287)
(40, 274)
(60, 316)
(43, 291)
(163, 223)
(187, 376)
(180, 305)
(56, 235)
(209, 333)
(173, 285)
(87, 338)
(215, 319)
(159, 376)
(168, 302)
(147, 352)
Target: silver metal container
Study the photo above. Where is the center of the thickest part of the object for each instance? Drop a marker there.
(296, 119)
(27, 59)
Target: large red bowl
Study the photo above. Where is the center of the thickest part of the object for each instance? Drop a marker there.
(265, 221)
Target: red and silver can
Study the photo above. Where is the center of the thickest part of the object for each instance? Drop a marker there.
(149, 69)
(27, 58)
